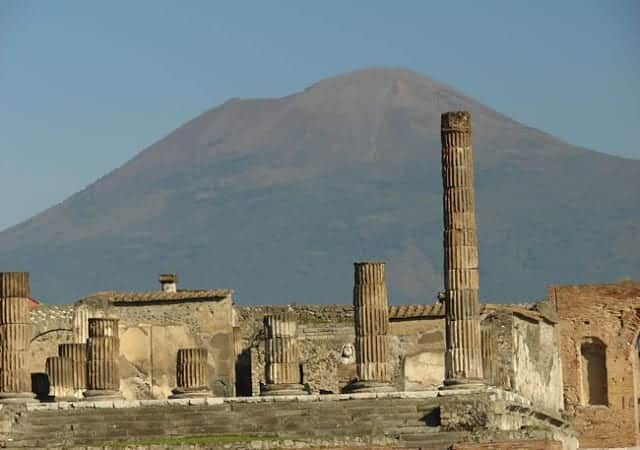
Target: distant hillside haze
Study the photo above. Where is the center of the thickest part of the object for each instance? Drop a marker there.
(275, 198)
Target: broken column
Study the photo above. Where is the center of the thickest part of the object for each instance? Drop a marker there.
(103, 349)
(282, 355)
(371, 317)
(15, 336)
(77, 354)
(463, 359)
(192, 377)
(60, 372)
(80, 324)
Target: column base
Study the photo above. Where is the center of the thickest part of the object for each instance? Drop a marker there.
(102, 394)
(283, 389)
(18, 397)
(357, 387)
(462, 383)
(191, 393)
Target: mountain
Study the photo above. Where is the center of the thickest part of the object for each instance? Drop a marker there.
(275, 198)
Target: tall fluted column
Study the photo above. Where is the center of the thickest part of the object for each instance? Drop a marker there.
(282, 355)
(463, 358)
(77, 354)
(60, 372)
(371, 318)
(15, 336)
(103, 348)
(192, 375)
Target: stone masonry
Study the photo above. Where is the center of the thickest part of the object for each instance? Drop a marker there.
(15, 336)
(599, 327)
(371, 320)
(463, 359)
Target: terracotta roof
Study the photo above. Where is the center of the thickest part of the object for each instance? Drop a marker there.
(159, 296)
(415, 311)
(435, 310)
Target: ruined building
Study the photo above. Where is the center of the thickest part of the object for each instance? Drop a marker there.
(455, 374)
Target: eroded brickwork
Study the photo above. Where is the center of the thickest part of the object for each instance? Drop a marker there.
(599, 327)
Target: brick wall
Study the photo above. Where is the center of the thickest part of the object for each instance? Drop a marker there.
(591, 317)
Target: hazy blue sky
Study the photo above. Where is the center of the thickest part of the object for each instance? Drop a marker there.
(85, 85)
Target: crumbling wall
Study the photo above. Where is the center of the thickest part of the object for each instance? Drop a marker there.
(150, 335)
(51, 326)
(609, 315)
(326, 336)
(152, 332)
(527, 357)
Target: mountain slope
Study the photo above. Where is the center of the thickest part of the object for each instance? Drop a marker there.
(276, 198)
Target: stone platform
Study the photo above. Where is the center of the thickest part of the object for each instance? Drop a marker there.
(429, 420)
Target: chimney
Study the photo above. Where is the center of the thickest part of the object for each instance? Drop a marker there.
(168, 282)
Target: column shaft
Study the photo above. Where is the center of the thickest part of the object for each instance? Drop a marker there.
(371, 317)
(191, 368)
(463, 359)
(282, 354)
(77, 353)
(15, 336)
(60, 372)
(103, 348)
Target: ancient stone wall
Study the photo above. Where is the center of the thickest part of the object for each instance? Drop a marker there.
(150, 335)
(526, 357)
(599, 327)
(327, 338)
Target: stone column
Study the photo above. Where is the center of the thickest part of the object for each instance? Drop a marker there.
(80, 324)
(282, 355)
(15, 336)
(103, 349)
(192, 374)
(463, 360)
(371, 318)
(77, 354)
(60, 372)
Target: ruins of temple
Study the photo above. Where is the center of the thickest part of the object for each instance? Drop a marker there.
(561, 373)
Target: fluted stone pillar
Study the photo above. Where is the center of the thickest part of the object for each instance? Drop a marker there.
(77, 354)
(463, 360)
(192, 373)
(80, 324)
(60, 372)
(103, 348)
(282, 355)
(489, 354)
(371, 319)
(15, 336)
